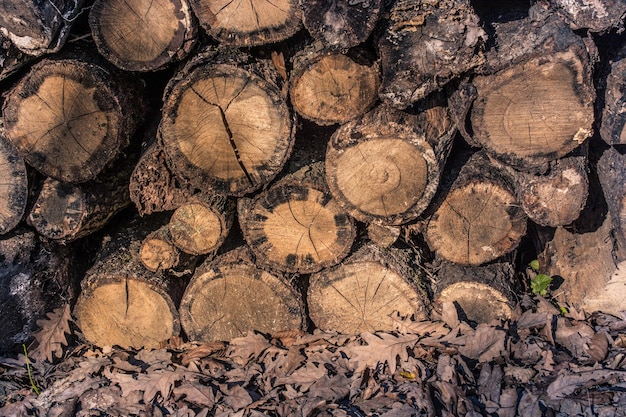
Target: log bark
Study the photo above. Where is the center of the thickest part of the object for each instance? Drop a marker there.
(611, 169)
(230, 296)
(122, 303)
(425, 45)
(587, 267)
(384, 167)
(38, 27)
(296, 225)
(153, 186)
(479, 219)
(66, 212)
(69, 118)
(383, 236)
(481, 294)
(13, 185)
(613, 125)
(35, 277)
(248, 23)
(329, 88)
(225, 125)
(11, 58)
(199, 226)
(363, 293)
(143, 35)
(341, 24)
(596, 16)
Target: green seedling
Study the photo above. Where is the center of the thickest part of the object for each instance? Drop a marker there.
(540, 284)
(30, 375)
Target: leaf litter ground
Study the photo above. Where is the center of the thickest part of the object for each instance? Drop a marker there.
(536, 364)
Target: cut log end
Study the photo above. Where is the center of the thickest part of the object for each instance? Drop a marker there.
(67, 120)
(362, 297)
(478, 302)
(128, 313)
(373, 177)
(229, 299)
(334, 89)
(477, 223)
(157, 252)
(298, 229)
(534, 112)
(59, 210)
(143, 35)
(13, 186)
(248, 23)
(227, 128)
(197, 228)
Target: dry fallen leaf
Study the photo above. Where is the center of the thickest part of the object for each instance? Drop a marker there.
(381, 348)
(51, 337)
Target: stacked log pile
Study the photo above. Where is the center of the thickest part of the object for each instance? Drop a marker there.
(281, 165)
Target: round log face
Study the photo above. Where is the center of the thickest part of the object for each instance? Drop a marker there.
(140, 35)
(298, 229)
(479, 302)
(227, 301)
(13, 186)
(158, 254)
(128, 313)
(361, 297)
(248, 22)
(59, 210)
(196, 229)
(476, 223)
(64, 120)
(370, 176)
(227, 128)
(534, 112)
(334, 89)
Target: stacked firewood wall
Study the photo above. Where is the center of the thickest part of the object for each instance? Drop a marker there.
(208, 168)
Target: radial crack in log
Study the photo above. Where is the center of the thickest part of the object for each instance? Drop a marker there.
(226, 128)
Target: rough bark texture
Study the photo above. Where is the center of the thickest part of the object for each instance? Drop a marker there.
(594, 15)
(35, 278)
(233, 149)
(385, 166)
(153, 186)
(611, 170)
(66, 212)
(13, 185)
(296, 225)
(427, 44)
(38, 27)
(230, 296)
(144, 35)
(341, 24)
(613, 127)
(366, 290)
(69, 118)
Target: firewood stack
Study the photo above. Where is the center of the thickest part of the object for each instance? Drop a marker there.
(279, 165)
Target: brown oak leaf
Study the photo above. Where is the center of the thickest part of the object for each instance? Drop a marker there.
(51, 337)
(381, 348)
